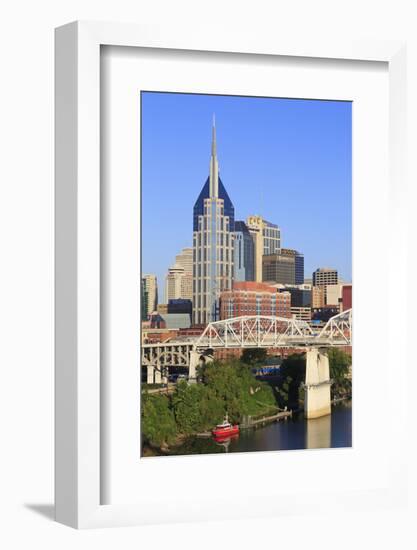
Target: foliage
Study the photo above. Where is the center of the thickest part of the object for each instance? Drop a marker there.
(158, 422)
(292, 374)
(234, 383)
(226, 387)
(339, 363)
(254, 356)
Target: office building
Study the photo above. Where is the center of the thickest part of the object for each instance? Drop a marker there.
(150, 289)
(174, 283)
(324, 276)
(318, 297)
(185, 259)
(334, 295)
(180, 306)
(298, 264)
(278, 268)
(266, 237)
(300, 297)
(253, 298)
(213, 227)
(301, 313)
(346, 297)
(144, 300)
(244, 253)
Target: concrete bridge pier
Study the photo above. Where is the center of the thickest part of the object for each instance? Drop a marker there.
(158, 377)
(150, 374)
(317, 401)
(194, 363)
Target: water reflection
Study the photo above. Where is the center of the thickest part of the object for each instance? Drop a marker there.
(330, 431)
(318, 433)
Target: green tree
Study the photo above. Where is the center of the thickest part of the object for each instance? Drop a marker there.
(158, 423)
(339, 363)
(254, 356)
(292, 373)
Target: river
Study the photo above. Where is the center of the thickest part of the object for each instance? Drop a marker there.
(334, 430)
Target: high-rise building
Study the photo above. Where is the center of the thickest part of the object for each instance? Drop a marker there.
(266, 238)
(144, 301)
(300, 297)
(243, 253)
(174, 283)
(185, 259)
(333, 295)
(253, 298)
(213, 226)
(318, 297)
(298, 264)
(278, 268)
(324, 276)
(150, 288)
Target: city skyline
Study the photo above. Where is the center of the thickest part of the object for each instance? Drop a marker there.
(302, 191)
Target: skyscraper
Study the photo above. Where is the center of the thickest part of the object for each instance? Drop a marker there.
(266, 239)
(185, 259)
(298, 264)
(150, 289)
(174, 283)
(244, 257)
(323, 277)
(213, 226)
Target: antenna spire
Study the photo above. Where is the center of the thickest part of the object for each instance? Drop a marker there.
(214, 165)
(213, 140)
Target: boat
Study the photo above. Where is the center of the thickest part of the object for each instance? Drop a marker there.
(225, 429)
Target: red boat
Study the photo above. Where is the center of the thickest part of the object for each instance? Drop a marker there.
(225, 429)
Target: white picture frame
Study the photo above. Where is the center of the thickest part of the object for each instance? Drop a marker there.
(78, 321)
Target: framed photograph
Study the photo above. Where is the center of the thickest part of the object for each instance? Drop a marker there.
(220, 206)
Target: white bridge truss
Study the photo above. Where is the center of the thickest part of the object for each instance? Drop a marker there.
(338, 329)
(251, 332)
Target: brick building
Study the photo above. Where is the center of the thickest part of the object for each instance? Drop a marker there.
(254, 298)
(346, 297)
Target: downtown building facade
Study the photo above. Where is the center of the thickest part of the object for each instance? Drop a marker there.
(179, 280)
(285, 267)
(324, 278)
(213, 246)
(253, 298)
(149, 293)
(266, 238)
(243, 253)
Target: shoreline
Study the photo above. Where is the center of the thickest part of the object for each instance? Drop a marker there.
(167, 450)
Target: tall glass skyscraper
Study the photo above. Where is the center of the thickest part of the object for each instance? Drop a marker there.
(213, 226)
(244, 253)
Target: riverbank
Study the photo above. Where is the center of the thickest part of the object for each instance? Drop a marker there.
(294, 433)
(224, 388)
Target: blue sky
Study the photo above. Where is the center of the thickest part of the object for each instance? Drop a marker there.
(288, 160)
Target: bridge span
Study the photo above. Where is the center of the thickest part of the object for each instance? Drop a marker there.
(257, 332)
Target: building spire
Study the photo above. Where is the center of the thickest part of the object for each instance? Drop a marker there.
(213, 139)
(214, 165)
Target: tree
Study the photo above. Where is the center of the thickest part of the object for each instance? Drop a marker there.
(158, 423)
(339, 363)
(254, 356)
(292, 373)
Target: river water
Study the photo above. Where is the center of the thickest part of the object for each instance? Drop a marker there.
(334, 430)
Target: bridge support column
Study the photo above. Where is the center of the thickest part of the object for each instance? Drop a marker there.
(194, 363)
(165, 375)
(150, 374)
(157, 376)
(317, 401)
